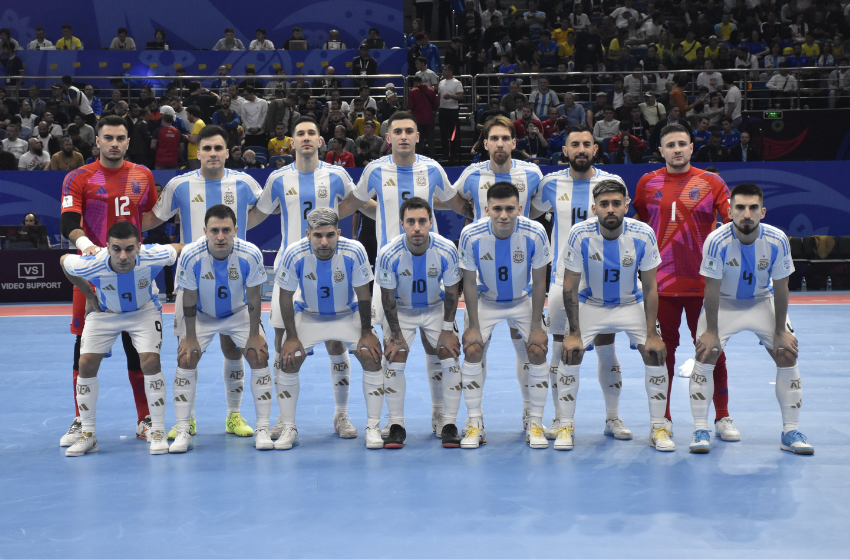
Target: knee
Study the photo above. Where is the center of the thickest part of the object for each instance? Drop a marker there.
(150, 363)
(87, 364)
(188, 362)
(785, 359)
(255, 362)
(443, 354)
(536, 355)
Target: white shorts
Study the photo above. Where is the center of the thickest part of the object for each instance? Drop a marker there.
(429, 319)
(598, 319)
(179, 327)
(275, 318)
(736, 315)
(144, 327)
(237, 327)
(557, 316)
(516, 313)
(313, 329)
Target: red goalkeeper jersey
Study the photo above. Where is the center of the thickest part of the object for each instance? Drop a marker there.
(683, 209)
(105, 196)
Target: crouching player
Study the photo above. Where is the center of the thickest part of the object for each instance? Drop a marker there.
(332, 277)
(126, 301)
(221, 277)
(418, 273)
(746, 265)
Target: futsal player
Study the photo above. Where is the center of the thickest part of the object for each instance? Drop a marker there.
(746, 265)
(475, 181)
(419, 276)
(126, 302)
(569, 194)
(393, 179)
(505, 256)
(94, 198)
(331, 276)
(221, 277)
(190, 195)
(682, 205)
(601, 295)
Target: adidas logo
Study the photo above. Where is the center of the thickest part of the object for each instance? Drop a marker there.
(377, 393)
(487, 257)
(658, 397)
(564, 198)
(237, 390)
(284, 395)
(208, 276)
(101, 190)
(437, 377)
(390, 183)
(568, 398)
(657, 194)
(472, 385)
(267, 396)
(342, 383)
(389, 390)
(181, 398)
(406, 273)
(541, 385)
(457, 387)
(160, 402)
(291, 191)
(617, 385)
(311, 276)
(595, 257)
(109, 287)
(798, 405)
(698, 397)
(733, 262)
(617, 370)
(198, 198)
(485, 186)
(83, 407)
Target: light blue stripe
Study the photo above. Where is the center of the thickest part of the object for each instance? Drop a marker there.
(504, 288)
(420, 273)
(611, 263)
(223, 307)
(306, 196)
(746, 289)
(324, 279)
(127, 285)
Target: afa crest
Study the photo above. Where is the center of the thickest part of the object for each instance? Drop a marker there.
(143, 283)
(322, 192)
(339, 276)
(763, 264)
(229, 198)
(433, 272)
(694, 194)
(519, 257)
(520, 186)
(628, 259)
(136, 187)
(421, 180)
(233, 274)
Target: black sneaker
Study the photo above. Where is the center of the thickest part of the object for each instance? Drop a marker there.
(396, 438)
(170, 299)
(450, 436)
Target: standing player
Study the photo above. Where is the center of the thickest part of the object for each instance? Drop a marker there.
(394, 179)
(601, 295)
(419, 277)
(332, 278)
(126, 301)
(221, 277)
(569, 194)
(682, 204)
(94, 197)
(746, 265)
(191, 195)
(474, 183)
(505, 256)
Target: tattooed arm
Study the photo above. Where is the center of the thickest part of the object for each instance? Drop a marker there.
(394, 343)
(572, 351)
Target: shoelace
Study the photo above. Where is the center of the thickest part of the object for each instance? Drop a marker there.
(617, 423)
(238, 421)
(565, 431)
(660, 433)
(702, 435)
(796, 436)
(158, 436)
(472, 431)
(536, 430)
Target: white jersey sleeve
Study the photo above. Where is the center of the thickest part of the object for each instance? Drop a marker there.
(651, 257)
(166, 206)
(86, 267)
(542, 256)
(385, 274)
(288, 273)
(267, 203)
(443, 187)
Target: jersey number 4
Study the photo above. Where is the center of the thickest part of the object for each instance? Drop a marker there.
(748, 276)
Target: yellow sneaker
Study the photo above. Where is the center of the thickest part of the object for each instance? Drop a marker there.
(236, 425)
(193, 428)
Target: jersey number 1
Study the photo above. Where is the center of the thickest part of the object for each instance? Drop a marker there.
(121, 204)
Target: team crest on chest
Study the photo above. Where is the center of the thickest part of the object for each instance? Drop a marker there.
(233, 274)
(136, 187)
(628, 259)
(421, 180)
(763, 264)
(694, 194)
(339, 276)
(433, 272)
(322, 192)
(520, 186)
(143, 283)
(229, 198)
(519, 256)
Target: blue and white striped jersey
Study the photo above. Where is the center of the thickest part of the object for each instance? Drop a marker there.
(222, 285)
(191, 195)
(324, 287)
(418, 280)
(477, 179)
(610, 268)
(129, 291)
(571, 201)
(541, 102)
(746, 271)
(298, 194)
(504, 265)
(393, 185)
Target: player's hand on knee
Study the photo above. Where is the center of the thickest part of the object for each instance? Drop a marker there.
(448, 343)
(189, 351)
(258, 345)
(656, 350)
(572, 350)
(292, 353)
(472, 337)
(540, 339)
(708, 347)
(395, 346)
(786, 341)
(369, 347)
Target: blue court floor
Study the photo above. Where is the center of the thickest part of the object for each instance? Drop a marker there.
(334, 498)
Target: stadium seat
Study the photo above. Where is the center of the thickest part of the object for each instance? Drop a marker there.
(262, 159)
(273, 160)
(541, 161)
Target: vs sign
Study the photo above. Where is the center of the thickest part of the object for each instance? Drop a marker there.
(30, 271)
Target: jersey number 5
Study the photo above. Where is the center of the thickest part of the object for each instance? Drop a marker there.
(121, 204)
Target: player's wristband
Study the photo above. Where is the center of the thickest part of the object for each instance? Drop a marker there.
(83, 243)
(448, 326)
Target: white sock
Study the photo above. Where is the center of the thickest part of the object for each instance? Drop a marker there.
(522, 369)
(233, 373)
(656, 382)
(373, 391)
(87, 402)
(472, 378)
(263, 393)
(185, 384)
(287, 390)
(341, 381)
(568, 382)
(610, 379)
(394, 388)
(452, 389)
(276, 373)
(789, 393)
(701, 389)
(155, 393)
(538, 387)
(554, 362)
(435, 380)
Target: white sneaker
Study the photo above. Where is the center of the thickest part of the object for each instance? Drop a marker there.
(468, 421)
(725, 429)
(659, 438)
(86, 443)
(159, 443)
(437, 422)
(182, 443)
(534, 436)
(566, 437)
(385, 431)
(616, 428)
(287, 440)
(262, 439)
(525, 412)
(343, 426)
(277, 429)
(552, 431)
(475, 435)
(374, 439)
(73, 434)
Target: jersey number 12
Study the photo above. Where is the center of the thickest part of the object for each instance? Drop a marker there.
(121, 204)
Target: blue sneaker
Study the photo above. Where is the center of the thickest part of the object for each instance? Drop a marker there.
(796, 443)
(700, 442)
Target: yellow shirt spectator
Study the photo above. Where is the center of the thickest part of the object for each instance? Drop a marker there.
(712, 53)
(280, 147)
(812, 51)
(72, 44)
(566, 49)
(359, 126)
(726, 30)
(193, 147)
(691, 49)
(614, 49)
(560, 35)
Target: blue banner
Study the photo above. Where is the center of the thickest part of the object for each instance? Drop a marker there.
(199, 24)
(802, 198)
